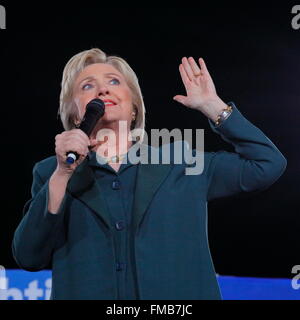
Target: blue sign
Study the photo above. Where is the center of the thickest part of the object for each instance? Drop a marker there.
(23, 285)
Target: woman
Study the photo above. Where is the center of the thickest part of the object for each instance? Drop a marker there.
(133, 231)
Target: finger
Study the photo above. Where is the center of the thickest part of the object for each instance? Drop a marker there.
(75, 145)
(75, 140)
(76, 135)
(93, 142)
(203, 67)
(184, 77)
(78, 149)
(79, 136)
(83, 135)
(80, 159)
(195, 68)
(180, 99)
(187, 68)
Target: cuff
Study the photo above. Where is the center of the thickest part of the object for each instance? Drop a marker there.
(47, 213)
(212, 123)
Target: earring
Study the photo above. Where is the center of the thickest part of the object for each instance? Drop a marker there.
(133, 116)
(77, 125)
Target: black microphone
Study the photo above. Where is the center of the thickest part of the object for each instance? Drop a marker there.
(94, 111)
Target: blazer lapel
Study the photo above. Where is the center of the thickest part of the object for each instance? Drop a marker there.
(83, 186)
(149, 178)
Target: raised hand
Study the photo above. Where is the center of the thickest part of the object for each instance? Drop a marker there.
(200, 90)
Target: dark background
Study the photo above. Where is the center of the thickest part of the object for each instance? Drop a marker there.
(253, 55)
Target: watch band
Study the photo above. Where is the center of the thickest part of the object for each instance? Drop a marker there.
(224, 114)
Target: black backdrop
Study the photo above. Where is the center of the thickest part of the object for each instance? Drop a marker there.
(253, 54)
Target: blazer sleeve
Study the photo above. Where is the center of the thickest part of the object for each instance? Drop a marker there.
(255, 165)
(35, 236)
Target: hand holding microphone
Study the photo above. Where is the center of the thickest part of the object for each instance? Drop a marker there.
(73, 145)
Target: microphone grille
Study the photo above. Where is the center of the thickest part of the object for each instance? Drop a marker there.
(96, 106)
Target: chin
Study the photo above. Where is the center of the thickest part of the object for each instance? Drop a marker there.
(109, 119)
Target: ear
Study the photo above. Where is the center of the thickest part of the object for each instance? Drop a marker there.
(76, 123)
(134, 114)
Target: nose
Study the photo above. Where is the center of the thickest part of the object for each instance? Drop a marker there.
(102, 91)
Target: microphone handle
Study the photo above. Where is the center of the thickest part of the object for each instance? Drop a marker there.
(72, 157)
(94, 111)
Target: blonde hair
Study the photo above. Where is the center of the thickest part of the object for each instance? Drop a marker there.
(69, 112)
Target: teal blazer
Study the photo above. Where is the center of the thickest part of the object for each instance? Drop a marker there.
(171, 247)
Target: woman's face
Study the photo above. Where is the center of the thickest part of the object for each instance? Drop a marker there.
(103, 81)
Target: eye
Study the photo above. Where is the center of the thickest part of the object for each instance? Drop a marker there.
(114, 81)
(87, 86)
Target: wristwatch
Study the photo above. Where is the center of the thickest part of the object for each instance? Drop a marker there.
(224, 114)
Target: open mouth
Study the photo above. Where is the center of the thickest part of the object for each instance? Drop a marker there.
(109, 103)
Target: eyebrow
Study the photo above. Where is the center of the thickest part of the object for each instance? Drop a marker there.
(93, 78)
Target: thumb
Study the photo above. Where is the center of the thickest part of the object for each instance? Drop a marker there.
(180, 99)
(93, 142)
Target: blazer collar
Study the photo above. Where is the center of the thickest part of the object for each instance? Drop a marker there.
(84, 187)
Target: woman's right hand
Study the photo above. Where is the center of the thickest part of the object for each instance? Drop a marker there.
(73, 140)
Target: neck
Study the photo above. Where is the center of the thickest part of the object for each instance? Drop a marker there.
(112, 139)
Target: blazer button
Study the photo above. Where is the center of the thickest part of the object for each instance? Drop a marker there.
(120, 225)
(116, 185)
(120, 266)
